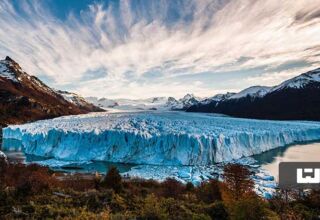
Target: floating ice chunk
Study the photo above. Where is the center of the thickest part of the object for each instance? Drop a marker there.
(264, 176)
(59, 163)
(267, 195)
(184, 174)
(271, 185)
(246, 161)
(3, 156)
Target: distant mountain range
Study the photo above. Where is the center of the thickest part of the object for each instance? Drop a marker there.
(25, 98)
(155, 103)
(295, 99)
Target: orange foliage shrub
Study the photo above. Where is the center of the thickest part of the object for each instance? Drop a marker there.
(78, 183)
(172, 188)
(29, 179)
(237, 181)
(209, 191)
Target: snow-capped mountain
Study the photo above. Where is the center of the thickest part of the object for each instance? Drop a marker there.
(154, 103)
(79, 101)
(188, 100)
(296, 98)
(217, 98)
(103, 102)
(301, 81)
(254, 92)
(25, 98)
(129, 104)
(172, 102)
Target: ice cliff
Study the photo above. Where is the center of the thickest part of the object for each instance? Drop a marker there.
(158, 138)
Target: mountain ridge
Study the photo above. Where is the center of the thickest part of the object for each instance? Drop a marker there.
(295, 99)
(25, 98)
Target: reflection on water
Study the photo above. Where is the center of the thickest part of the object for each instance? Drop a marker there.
(13, 149)
(87, 167)
(308, 152)
(96, 166)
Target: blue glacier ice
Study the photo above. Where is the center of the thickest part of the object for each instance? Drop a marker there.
(155, 138)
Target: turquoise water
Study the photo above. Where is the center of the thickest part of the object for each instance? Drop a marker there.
(90, 167)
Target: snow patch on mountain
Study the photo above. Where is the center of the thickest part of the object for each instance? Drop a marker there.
(254, 91)
(187, 101)
(300, 81)
(5, 72)
(160, 138)
(73, 98)
(102, 102)
(129, 104)
(11, 70)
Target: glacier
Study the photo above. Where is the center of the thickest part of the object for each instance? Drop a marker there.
(155, 138)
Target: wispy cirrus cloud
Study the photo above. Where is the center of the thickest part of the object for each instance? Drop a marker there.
(149, 48)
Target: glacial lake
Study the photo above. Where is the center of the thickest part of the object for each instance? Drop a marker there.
(90, 167)
(306, 152)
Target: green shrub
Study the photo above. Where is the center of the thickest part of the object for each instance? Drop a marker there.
(152, 208)
(251, 208)
(217, 211)
(189, 187)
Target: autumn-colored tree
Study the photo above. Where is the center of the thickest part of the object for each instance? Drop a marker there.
(238, 195)
(305, 205)
(28, 179)
(3, 166)
(209, 191)
(237, 180)
(313, 199)
(113, 180)
(172, 188)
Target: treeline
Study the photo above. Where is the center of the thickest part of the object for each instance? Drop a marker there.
(35, 192)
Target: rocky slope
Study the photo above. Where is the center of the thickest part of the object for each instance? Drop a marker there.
(25, 98)
(79, 101)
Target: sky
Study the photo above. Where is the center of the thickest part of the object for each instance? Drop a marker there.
(147, 48)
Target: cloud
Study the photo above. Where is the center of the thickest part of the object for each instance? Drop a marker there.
(307, 15)
(150, 48)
